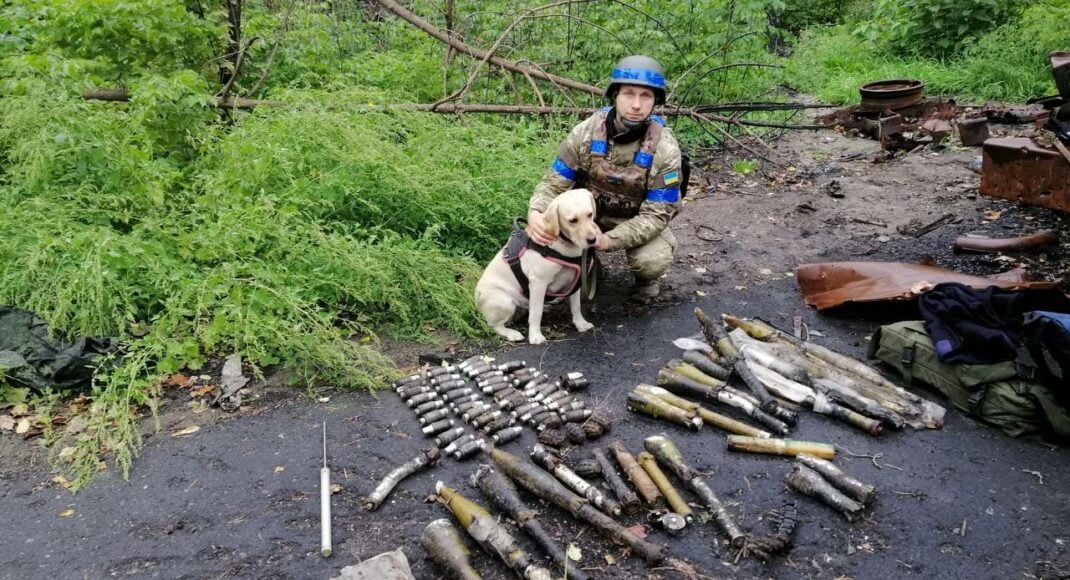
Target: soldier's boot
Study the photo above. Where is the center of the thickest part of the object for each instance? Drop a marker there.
(646, 290)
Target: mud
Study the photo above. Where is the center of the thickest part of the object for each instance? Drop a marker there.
(240, 497)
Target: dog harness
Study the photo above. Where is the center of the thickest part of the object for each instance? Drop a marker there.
(519, 243)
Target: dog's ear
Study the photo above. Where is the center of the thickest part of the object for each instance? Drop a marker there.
(594, 206)
(552, 219)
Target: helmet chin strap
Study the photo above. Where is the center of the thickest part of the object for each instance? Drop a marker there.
(628, 124)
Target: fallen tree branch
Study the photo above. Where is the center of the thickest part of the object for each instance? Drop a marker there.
(401, 12)
(274, 49)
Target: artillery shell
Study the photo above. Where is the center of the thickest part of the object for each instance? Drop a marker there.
(444, 546)
(506, 435)
(449, 384)
(476, 412)
(576, 416)
(860, 491)
(437, 427)
(676, 501)
(428, 406)
(447, 437)
(435, 415)
(809, 482)
(471, 398)
(559, 404)
(511, 394)
(514, 399)
(510, 366)
(413, 390)
(485, 418)
(467, 450)
(498, 424)
(525, 408)
(438, 371)
(457, 443)
(780, 446)
(456, 394)
(409, 380)
(421, 398)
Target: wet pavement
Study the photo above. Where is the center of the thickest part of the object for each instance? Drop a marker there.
(240, 497)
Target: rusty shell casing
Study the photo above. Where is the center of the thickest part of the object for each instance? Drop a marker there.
(809, 482)
(457, 443)
(428, 406)
(648, 491)
(498, 424)
(447, 437)
(436, 415)
(506, 435)
(468, 449)
(485, 418)
(437, 427)
(789, 447)
(529, 410)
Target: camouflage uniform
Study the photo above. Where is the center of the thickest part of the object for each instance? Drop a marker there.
(635, 210)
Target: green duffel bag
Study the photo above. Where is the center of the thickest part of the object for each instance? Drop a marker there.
(994, 392)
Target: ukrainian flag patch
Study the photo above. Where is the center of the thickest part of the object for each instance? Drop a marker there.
(672, 177)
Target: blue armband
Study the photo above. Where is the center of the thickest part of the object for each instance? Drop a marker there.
(664, 194)
(564, 170)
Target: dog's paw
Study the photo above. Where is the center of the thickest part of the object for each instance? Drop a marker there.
(582, 325)
(536, 338)
(510, 334)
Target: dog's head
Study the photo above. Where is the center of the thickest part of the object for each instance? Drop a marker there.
(571, 215)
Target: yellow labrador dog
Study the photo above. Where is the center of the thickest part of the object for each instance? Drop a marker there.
(524, 274)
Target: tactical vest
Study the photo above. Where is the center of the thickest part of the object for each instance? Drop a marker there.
(620, 190)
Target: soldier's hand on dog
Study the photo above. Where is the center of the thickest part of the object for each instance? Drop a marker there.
(538, 231)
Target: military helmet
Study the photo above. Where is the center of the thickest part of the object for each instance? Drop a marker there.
(638, 70)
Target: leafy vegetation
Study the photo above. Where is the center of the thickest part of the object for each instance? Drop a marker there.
(299, 232)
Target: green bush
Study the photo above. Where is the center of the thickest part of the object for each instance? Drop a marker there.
(935, 28)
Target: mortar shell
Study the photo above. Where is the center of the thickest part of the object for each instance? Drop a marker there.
(470, 360)
(438, 371)
(435, 415)
(526, 408)
(496, 388)
(447, 437)
(428, 406)
(555, 396)
(437, 427)
(572, 406)
(486, 374)
(467, 399)
(551, 421)
(506, 435)
(449, 384)
(415, 400)
(494, 384)
(471, 414)
(457, 443)
(498, 424)
(461, 408)
(475, 369)
(409, 380)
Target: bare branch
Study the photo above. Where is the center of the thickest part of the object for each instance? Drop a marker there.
(274, 49)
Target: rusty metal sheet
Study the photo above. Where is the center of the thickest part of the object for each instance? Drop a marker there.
(1060, 70)
(834, 283)
(1013, 114)
(973, 132)
(1018, 169)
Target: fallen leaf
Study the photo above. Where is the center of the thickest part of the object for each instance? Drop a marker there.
(201, 391)
(573, 552)
(992, 215)
(186, 431)
(67, 453)
(20, 410)
(610, 560)
(61, 481)
(77, 424)
(7, 422)
(279, 469)
(336, 488)
(66, 513)
(23, 426)
(178, 380)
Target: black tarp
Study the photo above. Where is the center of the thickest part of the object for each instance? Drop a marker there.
(31, 357)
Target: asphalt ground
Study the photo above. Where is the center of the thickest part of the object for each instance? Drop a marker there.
(240, 498)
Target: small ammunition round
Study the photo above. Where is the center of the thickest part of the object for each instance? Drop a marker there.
(575, 416)
(477, 368)
(498, 424)
(558, 404)
(508, 403)
(506, 435)
(446, 437)
(437, 427)
(435, 415)
(464, 407)
(534, 420)
(555, 396)
(487, 374)
(467, 437)
(485, 418)
(493, 380)
(413, 390)
(496, 388)
(548, 388)
(428, 406)
(510, 366)
(672, 522)
(470, 360)
(468, 449)
(527, 407)
(421, 398)
(570, 406)
(574, 381)
(537, 411)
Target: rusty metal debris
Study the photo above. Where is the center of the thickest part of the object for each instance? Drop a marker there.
(1019, 169)
(834, 283)
(1032, 241)
(973, 132)
(1013, 114)
(891, 94)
